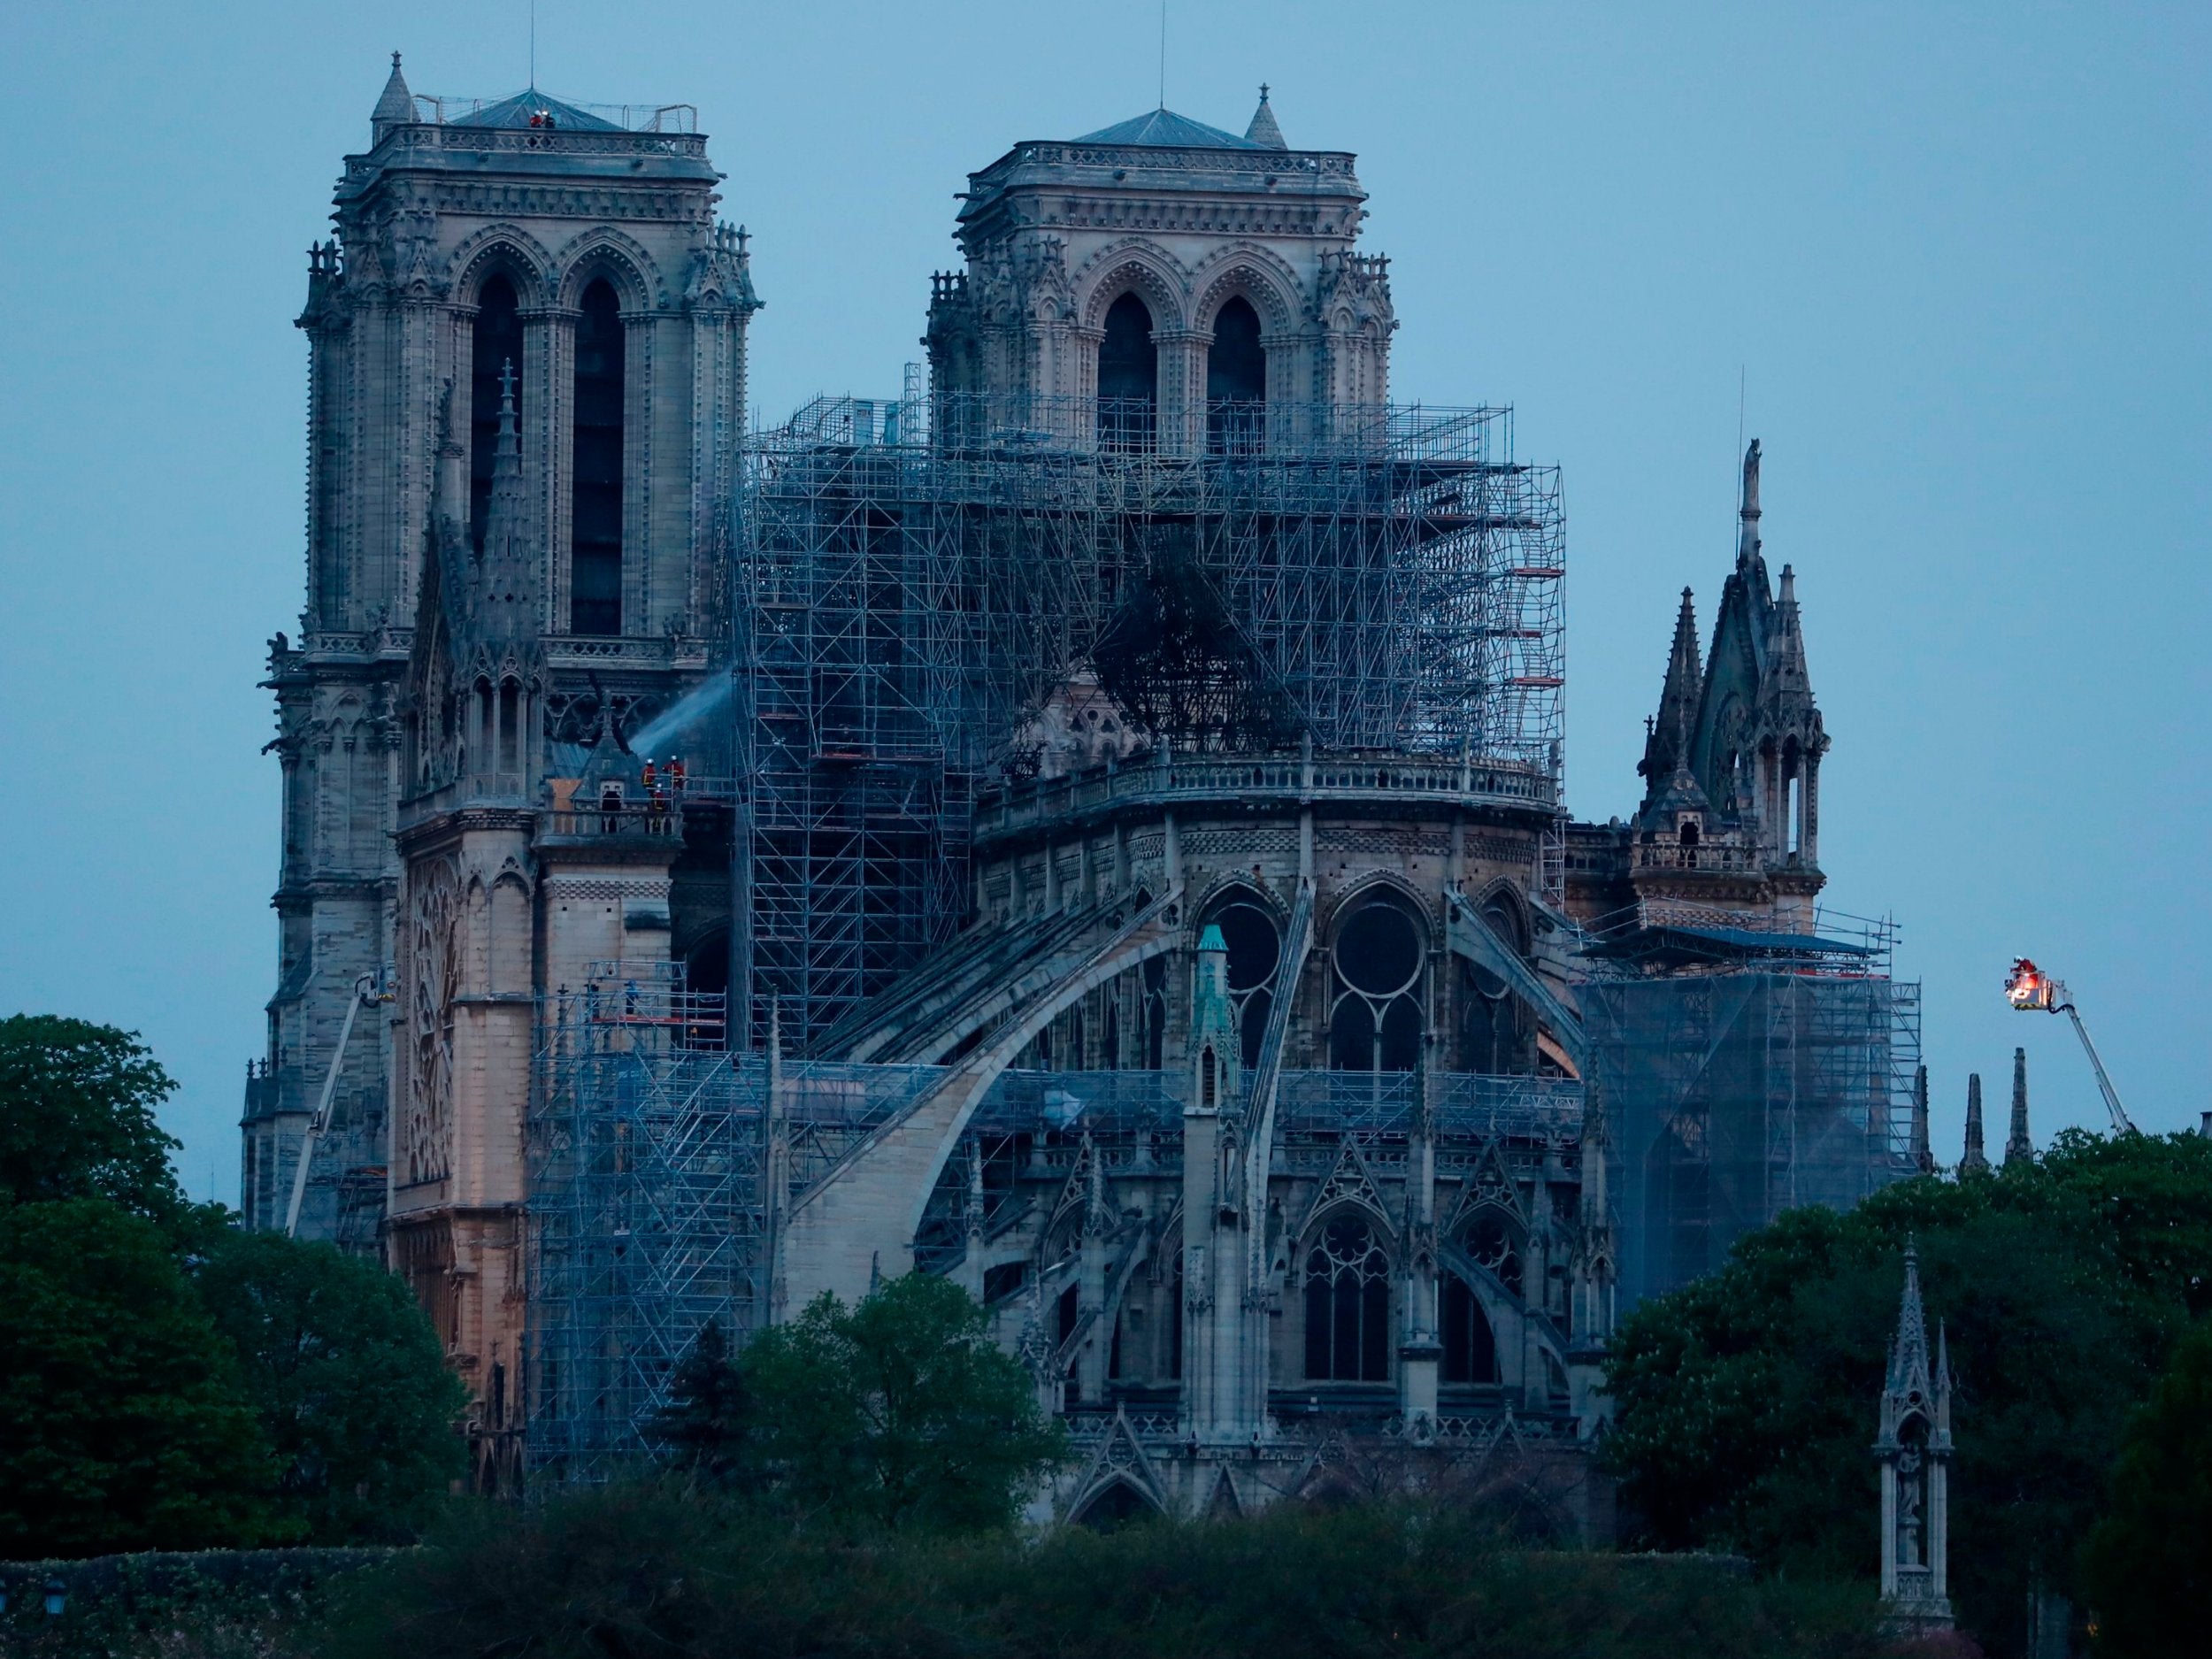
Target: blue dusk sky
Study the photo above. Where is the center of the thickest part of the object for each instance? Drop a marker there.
(1956, 257)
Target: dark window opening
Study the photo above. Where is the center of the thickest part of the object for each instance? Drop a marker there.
(1378, 952)
(1255, 953)
(1347, 1304)
(1376, 1023)
(1068, 1313)
(1687, 835)
(1470, 1349)
(497, 345)
(1236, 380)
(595, 486)
(1003, 1280)
(1128, 376)
(1118, 1506)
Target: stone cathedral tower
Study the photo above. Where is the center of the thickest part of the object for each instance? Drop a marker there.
(573, 257)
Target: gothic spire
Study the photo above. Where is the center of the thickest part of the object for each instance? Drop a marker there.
(1976, 1161)
(1667, 748)
(1909, 1371)
(1923, 1153)
(1263, 130)
(2018, 1146)
(506, 573)
(1789, 683)
(395, 108)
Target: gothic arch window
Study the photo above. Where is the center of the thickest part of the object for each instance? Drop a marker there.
(595, 477)
(1347, 1303)
(1255, 955)
(495, 344)
(1493, 1242)
(1155, 1012)
(1375, 1013)
(1497, 1031)
(1471, 1347)
(1128, 375)
(1236, 380)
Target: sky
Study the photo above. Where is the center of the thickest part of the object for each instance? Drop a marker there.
(1950, 264)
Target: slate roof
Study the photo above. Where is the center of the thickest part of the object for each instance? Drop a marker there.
(516, 111)
(1166, 130)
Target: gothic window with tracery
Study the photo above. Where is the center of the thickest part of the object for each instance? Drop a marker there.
(1492, 1244)
(1348, 1303)
(1375, 1020)
(1256, 952)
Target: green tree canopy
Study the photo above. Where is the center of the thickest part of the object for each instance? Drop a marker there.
(710, 1427)
(899, 1411)
(123, 1424)
(2147, 1570)
(77, 1116)
(347, 1380)
(1745, 1402)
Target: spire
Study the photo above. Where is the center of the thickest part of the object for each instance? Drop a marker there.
(1788, 680)
(506, 571)
(1976, 1162)
(2018, 1146)
(395, 108)
(1263, 130)
(1668, 746)
(1923, 1155)
(1909, 1372)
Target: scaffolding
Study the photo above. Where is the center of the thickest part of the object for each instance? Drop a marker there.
(919, 576)
(645, 1145)
(1737, 1089)
(649, 1147)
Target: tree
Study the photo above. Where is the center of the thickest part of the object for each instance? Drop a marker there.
(2146, 1570)
(708, 1427)
(123, 1424)
(77, 1116)
(1745, 1402)
(899, 1411)
(347, 1380)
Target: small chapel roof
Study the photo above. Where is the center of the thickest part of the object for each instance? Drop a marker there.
(1164, 129)
(530, 108)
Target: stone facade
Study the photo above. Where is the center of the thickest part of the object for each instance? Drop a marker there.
(1250, 1097)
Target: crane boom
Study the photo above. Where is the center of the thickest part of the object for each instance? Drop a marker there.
(2111, 1096)
(365, 991)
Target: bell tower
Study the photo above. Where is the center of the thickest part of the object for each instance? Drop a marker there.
(1186, 278)
(521, 292)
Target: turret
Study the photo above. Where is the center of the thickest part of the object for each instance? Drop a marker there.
(394, 106)
(1667, 744)
(1263, 129)
(1975, 1160)
(2019, 1148)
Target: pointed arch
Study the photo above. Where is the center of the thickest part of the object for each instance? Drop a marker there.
(604, 253)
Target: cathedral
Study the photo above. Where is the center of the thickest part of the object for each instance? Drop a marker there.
(1089, 826)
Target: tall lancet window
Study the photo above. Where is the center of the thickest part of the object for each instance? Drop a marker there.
(595, 573)
(1128, 376)
(1236, 380)
(497, 344)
